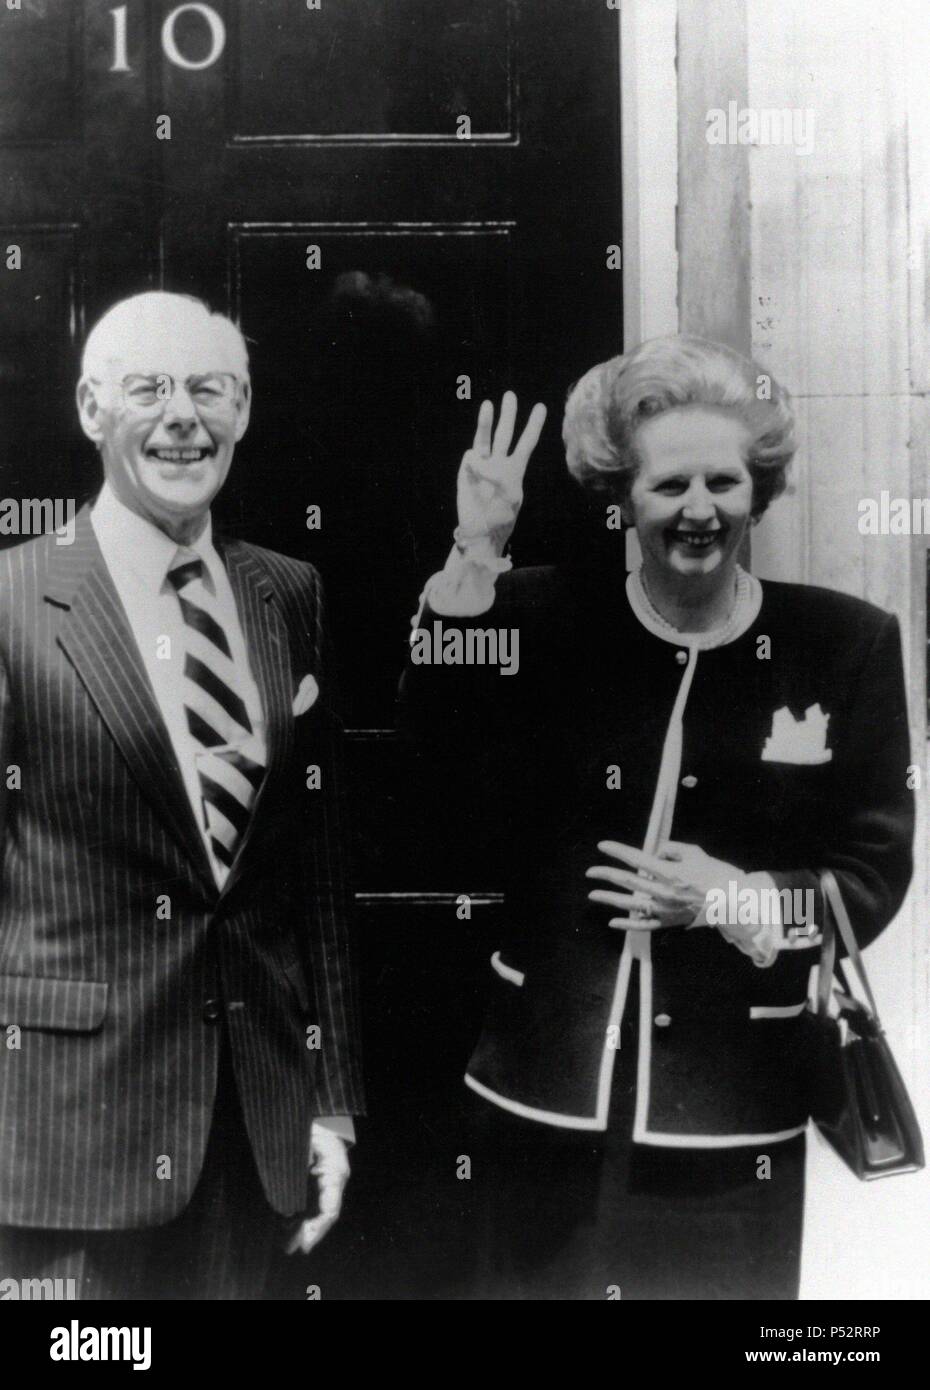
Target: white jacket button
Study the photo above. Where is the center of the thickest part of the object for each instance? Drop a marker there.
(662, 1020)
(689, 781)
(681, 658)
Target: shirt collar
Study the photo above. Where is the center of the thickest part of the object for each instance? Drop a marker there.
(134, 544)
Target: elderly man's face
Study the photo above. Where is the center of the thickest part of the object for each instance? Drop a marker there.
(167, 420)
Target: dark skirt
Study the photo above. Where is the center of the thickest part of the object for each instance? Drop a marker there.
(568, 1214)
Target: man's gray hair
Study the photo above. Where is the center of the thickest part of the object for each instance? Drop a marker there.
(125, 329)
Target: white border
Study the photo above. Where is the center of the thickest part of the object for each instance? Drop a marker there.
(778, 1010)
(507, 972)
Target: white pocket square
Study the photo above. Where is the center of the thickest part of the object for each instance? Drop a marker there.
(798, 740)
(307, 692)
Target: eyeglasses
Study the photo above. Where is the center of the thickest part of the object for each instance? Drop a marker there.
(146, 395)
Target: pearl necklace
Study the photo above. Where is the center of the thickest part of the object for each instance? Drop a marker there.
(747, 601)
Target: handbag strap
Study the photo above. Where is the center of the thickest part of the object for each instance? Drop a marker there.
(836, 913)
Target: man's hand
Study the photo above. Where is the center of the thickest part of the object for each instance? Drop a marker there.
(490, 480)
(329, 1164)
(667, 889)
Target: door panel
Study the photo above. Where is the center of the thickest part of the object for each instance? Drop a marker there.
(424, 65)
(40, 77)
(40, 314)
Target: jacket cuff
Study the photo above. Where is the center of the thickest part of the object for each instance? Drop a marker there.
(342, 1125)
(465, 586)
(761, 937)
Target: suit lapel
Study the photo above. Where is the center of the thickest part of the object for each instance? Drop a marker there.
(98, 641)
(267, 644)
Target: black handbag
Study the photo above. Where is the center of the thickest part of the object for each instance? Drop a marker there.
(860, 1104)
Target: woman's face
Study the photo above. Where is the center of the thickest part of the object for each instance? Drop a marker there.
(691, 498)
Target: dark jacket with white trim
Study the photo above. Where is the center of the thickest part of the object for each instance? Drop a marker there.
(722, 1047)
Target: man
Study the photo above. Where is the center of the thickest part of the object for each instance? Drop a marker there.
(175, 985)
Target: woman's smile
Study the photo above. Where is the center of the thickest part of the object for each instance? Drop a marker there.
(696, 540)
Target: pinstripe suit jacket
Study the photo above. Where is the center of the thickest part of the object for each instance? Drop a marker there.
(115, 1068)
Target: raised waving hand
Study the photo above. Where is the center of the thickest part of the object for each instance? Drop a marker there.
(490, 479)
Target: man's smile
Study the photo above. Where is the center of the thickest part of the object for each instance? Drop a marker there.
(180, 455)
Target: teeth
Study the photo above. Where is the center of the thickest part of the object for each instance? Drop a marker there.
(179, 455)
(696, 540)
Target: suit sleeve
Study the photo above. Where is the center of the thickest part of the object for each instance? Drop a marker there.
(441, 703)
(328, 944)
(869, 847)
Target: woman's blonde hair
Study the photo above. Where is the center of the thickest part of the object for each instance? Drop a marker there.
(607, 405)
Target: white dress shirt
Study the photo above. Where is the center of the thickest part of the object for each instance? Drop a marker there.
(139, 556)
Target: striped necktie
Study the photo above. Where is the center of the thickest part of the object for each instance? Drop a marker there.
(229, 761)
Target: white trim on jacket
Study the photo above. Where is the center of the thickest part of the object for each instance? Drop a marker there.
(507, 972)
(777, 1010)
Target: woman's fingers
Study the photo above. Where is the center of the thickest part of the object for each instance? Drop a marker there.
(633, 900)
(531, 432)
(624, 900)
(649, 887)
(505, 423)
(482, 445)
(622, 877)
(482, 440)
(637, 857)
(671, 849)
(630, 855)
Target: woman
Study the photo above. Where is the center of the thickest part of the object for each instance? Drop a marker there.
(679, 754)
